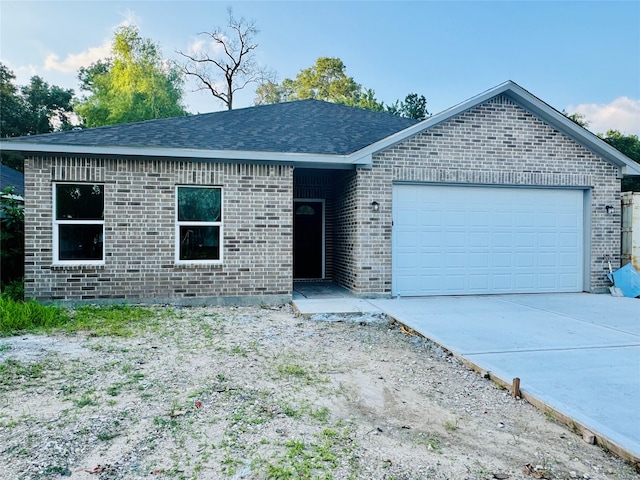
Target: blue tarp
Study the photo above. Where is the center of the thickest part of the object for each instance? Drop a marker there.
(626, 279)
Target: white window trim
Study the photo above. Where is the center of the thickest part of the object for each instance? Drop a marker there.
(179, 224)
(56, 233)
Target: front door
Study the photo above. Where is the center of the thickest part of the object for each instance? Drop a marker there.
(308, 234)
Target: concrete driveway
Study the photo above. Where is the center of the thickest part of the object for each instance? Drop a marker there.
(577, 354)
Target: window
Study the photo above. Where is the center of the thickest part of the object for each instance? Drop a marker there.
(78, 225)
(198, 225)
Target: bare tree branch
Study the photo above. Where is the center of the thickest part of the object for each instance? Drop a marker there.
(229, 63)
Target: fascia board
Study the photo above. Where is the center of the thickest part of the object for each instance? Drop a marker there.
(180, 153)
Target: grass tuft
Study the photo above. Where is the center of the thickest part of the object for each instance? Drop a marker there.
(31, 316)
(116, 320)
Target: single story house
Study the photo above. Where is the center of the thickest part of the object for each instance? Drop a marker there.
(499, 194)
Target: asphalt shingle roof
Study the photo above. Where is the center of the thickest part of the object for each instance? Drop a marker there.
(305, 126)
(11, 177)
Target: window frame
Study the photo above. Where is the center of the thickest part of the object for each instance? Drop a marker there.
(184, 223)
(57, 223)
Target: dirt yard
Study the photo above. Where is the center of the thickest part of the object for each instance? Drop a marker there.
(256, 393)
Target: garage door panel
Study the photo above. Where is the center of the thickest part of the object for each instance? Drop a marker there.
(525, 281)
(457, 240)
(479, 239)
(525, 239)
(525, 219)
(479, 260)
(548, 239)
(567, 281)
(569, 220)
(525, 260)
(567, 240)
(479, 283)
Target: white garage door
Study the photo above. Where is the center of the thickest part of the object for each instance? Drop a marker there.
(452, 240)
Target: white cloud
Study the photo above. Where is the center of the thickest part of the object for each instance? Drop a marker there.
(204, 44)
(198, 46)
(74, 61)
(621, 114)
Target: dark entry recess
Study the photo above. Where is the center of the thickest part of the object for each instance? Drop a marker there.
(307, 239)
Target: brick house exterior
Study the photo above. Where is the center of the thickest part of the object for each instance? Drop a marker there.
(504, 137)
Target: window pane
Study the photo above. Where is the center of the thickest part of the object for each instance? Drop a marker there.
(199, 204)
(80, 242)
(79, 202)
(199, 243)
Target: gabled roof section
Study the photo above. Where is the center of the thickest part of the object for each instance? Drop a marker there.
(304, 132)
(270, 132)
(529, 102)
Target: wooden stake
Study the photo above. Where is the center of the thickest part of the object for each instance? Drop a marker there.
(515, 388)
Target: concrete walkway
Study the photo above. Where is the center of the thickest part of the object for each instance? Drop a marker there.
(577, 354)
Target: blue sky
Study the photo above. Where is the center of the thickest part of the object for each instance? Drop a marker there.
(578, 55)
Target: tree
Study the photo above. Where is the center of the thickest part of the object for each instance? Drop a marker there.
(577, 118)
(268, 92)
(413, 106)
(11, 105)
(30, 110)
(46, 108)
(135, 84)
(325, 80)
(228, 64)
(11, 237)
(34, 108)
(366, 99)
(630, 146)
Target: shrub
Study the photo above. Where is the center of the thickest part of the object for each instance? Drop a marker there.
(11, 237)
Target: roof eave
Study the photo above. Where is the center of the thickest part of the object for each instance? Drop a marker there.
(307, 160)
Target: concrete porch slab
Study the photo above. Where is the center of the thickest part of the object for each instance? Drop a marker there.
(336, 306)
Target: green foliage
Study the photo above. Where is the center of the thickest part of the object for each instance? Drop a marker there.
(135, 84)
(365, 99)
(116, 320)
(34, 108)
(11, 104)
(11, 236)
(268, 92)
(48, 108)
(31, 316)
(577, 118)
(630, 146)
(317, 459)
(325, 80)
(627, 144)
(413, 106)
(14, 290)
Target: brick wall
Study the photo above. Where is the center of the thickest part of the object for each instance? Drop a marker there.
(496, 143)
(346, 265)
(140, 230)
